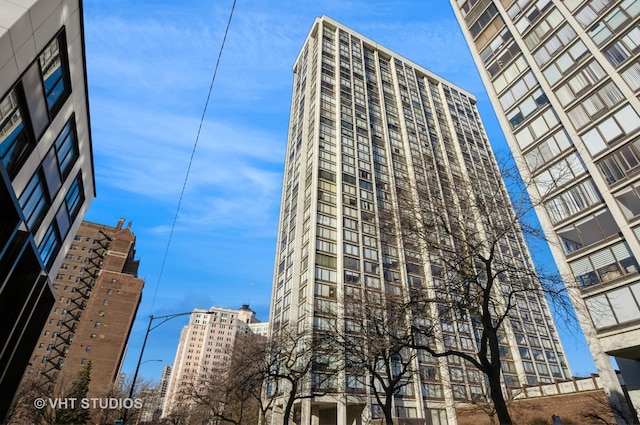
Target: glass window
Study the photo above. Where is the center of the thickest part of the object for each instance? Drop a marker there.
(74, 197)
(591, 229)
(526, 107)
(572, 201)
(604, 265)
(66, 148)
(542, 368)
(559, 174)
(34, 201)
(600, 311)
(518, 90)
(565, 63)
(628, 119)
(49, 245)
(496, 45)
(590, 12)
(610, 129)
(624, 305)
(16, 142)
(54, 73)
(595, 105)
(621, 163)
(594, 142)
(629, 200)
(548, 150)
(608, 26)
(554, 44)
(622, 49)
(632, 76)
(431, 390)
(483, 20)
(543, 28)
(579, 83)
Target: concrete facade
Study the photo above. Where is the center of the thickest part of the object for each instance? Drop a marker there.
(564, 79)
(367, 128)
(204, 350)
(46, 168)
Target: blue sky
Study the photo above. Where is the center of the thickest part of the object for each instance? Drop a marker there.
(149, 68)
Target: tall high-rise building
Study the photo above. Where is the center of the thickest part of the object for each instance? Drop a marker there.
(564, 79)
(203, 352)
(163, 387)
(46, 166)
(97, 292)
(369, 127)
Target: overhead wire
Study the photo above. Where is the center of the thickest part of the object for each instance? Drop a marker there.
(193, 152)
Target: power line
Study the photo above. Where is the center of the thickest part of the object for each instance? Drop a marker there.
(193, 152)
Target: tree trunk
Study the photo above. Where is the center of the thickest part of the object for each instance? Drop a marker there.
(498, 398)
(493, 373)
(388, 404)
(263, 416)
(288, 408)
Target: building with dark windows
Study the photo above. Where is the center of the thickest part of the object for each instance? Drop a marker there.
(564, 79)
(46, 167)
(372, 135)
(97, 293)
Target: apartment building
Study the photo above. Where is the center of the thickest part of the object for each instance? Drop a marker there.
(46, 167)
(370, 133)
(203, 352)
(97, 292)
(564, 78)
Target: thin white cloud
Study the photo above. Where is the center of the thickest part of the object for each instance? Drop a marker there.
(152, 73)
(149, 54)
(152, 159)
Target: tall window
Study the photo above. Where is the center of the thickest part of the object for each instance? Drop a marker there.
(34, 201)
(66, 148)
(74, 197)
(55, 75)
(16, 141)
(50, 245)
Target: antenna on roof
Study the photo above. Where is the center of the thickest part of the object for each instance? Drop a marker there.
(250, 291)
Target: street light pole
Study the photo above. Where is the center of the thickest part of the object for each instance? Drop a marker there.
(164, 319)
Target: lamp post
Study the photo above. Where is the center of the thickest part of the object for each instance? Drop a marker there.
(150, 327)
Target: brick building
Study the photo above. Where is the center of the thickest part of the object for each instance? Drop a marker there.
(97, 292)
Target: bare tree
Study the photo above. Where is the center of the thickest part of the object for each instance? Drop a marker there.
(485, 405)
(178, 416)
(22, 409)
(144, 394)
(250, 363)
(478, 271)
(602, 411)
(300, 364)
(232, 393)
(376, 341)
(259, 374)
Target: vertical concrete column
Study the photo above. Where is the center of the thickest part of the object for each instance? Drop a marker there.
(341, 412)
(276, 415)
